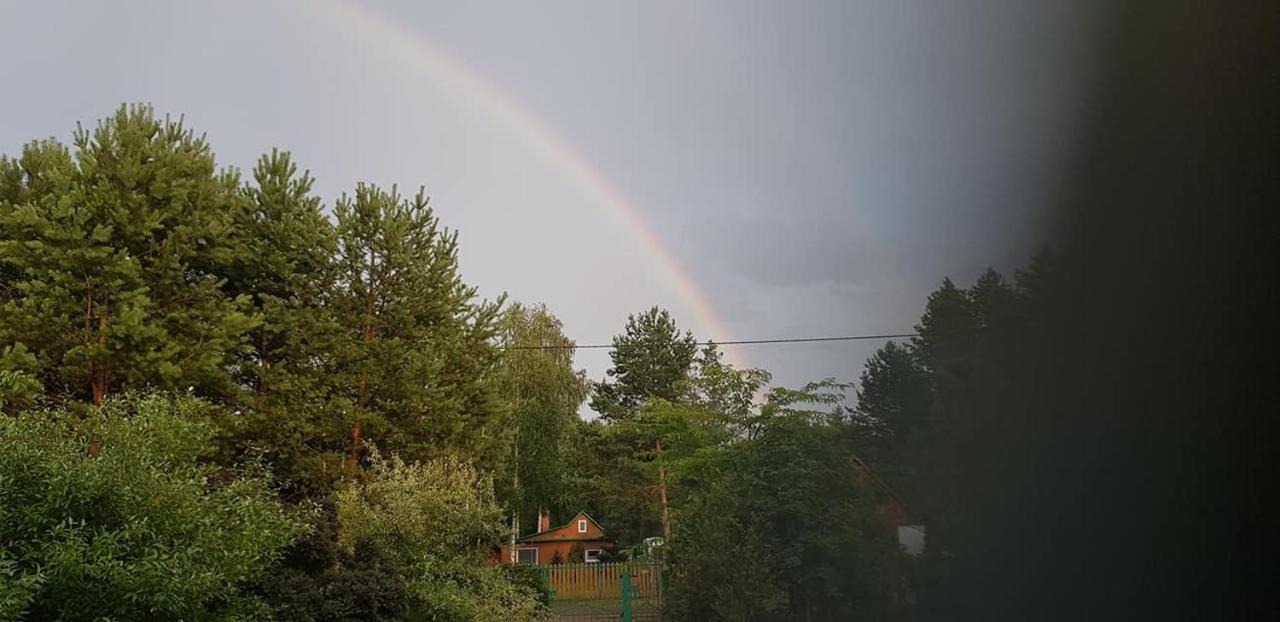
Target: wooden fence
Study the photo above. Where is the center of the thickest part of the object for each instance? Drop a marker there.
(600, 581)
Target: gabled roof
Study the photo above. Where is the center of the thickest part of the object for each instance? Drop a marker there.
(552, 535)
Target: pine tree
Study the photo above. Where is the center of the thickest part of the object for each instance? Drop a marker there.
(651, 359)
(417, 354)
(285, 266)
(946, 329)
(893, 394)
(170, 211)
(114, 261)
(62, 280)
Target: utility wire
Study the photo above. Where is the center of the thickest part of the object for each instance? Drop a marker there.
(741, 342)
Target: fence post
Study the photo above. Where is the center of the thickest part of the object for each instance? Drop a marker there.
(625, 589)
(545, 571)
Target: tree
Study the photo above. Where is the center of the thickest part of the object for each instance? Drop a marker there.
(720, 387)
(440, 522)
(285, 267)
(418, 353)
(543, 390)
(780, 524)
(116, 517)
(650, 359)
(993, 299)
(317, 580)
(625, 468)
(115, 263)
(63, 280)
(893, 394)
(611, 479)
(946, 330)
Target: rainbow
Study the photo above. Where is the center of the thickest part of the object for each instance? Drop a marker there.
(465, 82)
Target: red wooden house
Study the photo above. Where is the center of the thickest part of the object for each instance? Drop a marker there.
(549, 544)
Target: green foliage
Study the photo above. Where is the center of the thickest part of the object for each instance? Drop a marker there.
(611, 480)
(544, 392)
(893, 394)
(720, 387)
(780, 524)
(132, 262)
(316, 580)
(720, 564)
(115, 517)
(18, 389)
(418, 353)
(650, 359)
(619, 463)
(926, 406)
(440, 522)
(116, 259)
(530, 578)
(284, 266)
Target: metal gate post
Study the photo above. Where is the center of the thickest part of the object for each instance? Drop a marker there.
(626, 594)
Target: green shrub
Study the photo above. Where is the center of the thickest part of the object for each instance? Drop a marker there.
(318, 581)
(115, 517)
(440, 522)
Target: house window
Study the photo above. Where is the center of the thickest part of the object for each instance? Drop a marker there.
(582, 526)
(527, 556)
(591, 556)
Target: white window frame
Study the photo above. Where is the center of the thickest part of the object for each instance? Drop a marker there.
(582, 525)
(591, 556)
(527, 548)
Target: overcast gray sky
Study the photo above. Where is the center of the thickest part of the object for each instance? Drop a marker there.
(814, 168)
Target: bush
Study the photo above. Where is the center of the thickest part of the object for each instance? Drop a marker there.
(318, 581)
(114, 517)
(439, 521)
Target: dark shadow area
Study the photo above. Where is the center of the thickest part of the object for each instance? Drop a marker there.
(1120, 461)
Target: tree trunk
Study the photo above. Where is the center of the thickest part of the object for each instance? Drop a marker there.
(515, 528)
(363, 399)
(263, 364)
(515, 487)
(662, 493)
(99, 375)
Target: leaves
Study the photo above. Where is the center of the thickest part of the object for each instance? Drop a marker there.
(650, 359)
(116, 516)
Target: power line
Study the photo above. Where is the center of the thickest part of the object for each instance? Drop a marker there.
(740, 342)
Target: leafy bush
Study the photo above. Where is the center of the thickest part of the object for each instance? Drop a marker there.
(114, 517)
(318, 581)
(779, 527)
(439, 521)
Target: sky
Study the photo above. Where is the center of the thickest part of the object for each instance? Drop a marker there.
(763, 170)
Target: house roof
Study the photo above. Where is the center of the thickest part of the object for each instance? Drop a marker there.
(552, 535)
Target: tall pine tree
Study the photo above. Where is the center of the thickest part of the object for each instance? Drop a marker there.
(285, 266)
(417, 357)
(651, 359)
(115, 262)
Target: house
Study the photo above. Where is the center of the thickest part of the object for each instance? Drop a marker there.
(549, 543)
(891, 512)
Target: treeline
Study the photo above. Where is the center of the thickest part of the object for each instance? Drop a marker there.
(133, 262)
(765, 513)
(223, 402)
(787, 507)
